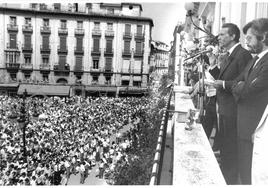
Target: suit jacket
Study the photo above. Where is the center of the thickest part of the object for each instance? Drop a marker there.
(230, 69)
(251, 93)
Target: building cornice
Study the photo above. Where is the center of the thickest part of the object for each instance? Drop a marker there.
(77, 14)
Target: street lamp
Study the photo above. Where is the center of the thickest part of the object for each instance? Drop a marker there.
(189, 7)
(23, 123)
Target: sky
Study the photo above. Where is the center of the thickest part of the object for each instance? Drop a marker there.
(165, 17)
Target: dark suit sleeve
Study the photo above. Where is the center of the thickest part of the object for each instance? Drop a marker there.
(257, 85)
(242, 62)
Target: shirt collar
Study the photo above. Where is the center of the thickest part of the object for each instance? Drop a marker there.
(260, 55)
(212, 67)
(232, 49)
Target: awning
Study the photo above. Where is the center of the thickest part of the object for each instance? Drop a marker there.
(136, 78)
(125, 77)
(57, 90)
(97, 88)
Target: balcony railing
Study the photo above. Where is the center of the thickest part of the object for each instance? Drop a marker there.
(136, 71)
(45, 48)
(78, 69)
(79, 50)
(45, 66)
(139, 35)
(96, 51)
(45, 30)
(12, 27)
(27, 66)
(13, 46)
(79, 31)
(109, 33)
(62, 49)
(27, 28)
(108, 51)
(126, 71)
(63, 31)
(94, 69)
(138, 53)
(27, 48)
(12, 65)
(96, 32)
(127, 35)
(126, 52)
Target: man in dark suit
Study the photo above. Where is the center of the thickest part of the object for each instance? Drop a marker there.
(230, 69)
(251, 93)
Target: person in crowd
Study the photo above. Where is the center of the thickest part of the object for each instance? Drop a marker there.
(235, 62)
(251, 93)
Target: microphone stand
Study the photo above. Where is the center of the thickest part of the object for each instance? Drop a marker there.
(201, 93)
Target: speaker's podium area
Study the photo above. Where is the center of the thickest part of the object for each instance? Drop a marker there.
(194, 161)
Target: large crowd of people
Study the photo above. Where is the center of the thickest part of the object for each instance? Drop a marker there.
(70, 136)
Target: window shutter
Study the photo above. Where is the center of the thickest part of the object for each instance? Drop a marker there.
(13, 40)
(79, 63)
(63, 43)
(27, 41)
(109, 45)
(127, 28)
(108, 64)
(139, 29)
(127, 46)
(79, 43)
(96, 45)
(46, 41)
(62, 61)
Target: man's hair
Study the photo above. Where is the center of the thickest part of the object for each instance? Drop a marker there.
(260, 29)
(232, 30)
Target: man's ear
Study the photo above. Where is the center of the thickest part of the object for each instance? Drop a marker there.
(265, 38)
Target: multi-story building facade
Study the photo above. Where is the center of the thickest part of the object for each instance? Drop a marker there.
(91, 48)
(159, 57)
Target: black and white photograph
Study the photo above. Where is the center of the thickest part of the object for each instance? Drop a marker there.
(147, 93)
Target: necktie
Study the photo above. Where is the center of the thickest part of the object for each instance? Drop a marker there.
(253, 63)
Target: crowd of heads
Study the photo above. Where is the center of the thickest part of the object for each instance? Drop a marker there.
(70, 136)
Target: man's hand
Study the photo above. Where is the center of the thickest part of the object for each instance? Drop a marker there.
(218, 84)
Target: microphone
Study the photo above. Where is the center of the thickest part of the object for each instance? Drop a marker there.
(199, 53)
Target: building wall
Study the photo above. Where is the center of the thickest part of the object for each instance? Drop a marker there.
(88, 25)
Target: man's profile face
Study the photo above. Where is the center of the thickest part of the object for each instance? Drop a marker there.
(224, 38)
(253, 44)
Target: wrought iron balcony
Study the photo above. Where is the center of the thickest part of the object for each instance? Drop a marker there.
(138, 53)
(27, 28)
(12, 67)
(127, 35)
(108, 51)
(12, 27)
(27, 48)
(94, 69)
(45, 67)
(79, 31)
(139, 36)
(78, 69)
(96, 32)
(95, 51)
(27, 67)
(126, 52)
(12, 47)
(45, 30)
(79, 50)
(62, 49)
(109, 33)
(45, 49)
(63, 31)
(136, 71)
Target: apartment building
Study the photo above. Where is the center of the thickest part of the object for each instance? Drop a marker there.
(87, 49)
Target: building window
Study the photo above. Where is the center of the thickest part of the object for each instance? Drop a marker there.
(125, 83)
(56, 6)
(45, 60)
(13, 20)
(13, 76)
(12, 57)
(79, 24)
(108, 64)
(96, 25)
(63, 24)
(108, 80)
(34, 5)
(46, 22)
(27, 59)
(96, 45)
(127, 46)
(128, 29)
(95, 79)
(139, 29)
(95, 64)
(45, 77)
(137, 83)
(43, 6)
(110, 26)
(138, 47)
(27, 76)
(28, 21)
(110, 11)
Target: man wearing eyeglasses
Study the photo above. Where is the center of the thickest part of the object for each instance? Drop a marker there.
(251, 93)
